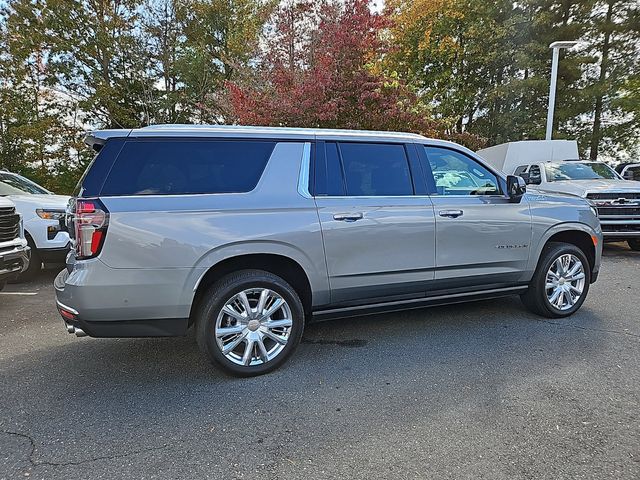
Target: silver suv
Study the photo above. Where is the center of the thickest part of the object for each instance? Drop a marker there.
(247, 233)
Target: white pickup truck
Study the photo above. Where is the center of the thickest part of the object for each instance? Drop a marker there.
(43, 218)
(554, 166)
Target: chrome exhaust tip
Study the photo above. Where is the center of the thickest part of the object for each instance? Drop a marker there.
(71, 329)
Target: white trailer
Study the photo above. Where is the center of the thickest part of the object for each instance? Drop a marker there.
(509, 156)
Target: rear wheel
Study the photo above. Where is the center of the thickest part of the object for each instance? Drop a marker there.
(250, 322)
(560, 283)
(634, 244)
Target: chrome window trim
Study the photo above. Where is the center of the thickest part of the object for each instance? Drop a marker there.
(305, 167)
(411, 196)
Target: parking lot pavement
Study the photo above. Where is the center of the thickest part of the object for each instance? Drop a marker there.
(482, 390)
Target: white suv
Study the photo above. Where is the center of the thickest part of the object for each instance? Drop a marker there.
(43, 216)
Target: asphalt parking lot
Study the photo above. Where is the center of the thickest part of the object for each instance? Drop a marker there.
(482, 390)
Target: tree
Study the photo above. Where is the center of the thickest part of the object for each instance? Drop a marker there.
(220, 37)
(614, 40)
(99, 59)
(321, 68)
(485, 66)
(34, 136)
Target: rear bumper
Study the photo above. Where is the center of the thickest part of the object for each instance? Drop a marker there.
(105, 302)
(14, 259)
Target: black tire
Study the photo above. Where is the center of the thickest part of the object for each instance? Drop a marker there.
(34, 268)
(215, 298)
(535, 298)
(634, 244)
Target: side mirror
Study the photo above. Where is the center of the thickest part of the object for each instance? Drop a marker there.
(516, 188)
(628, 175)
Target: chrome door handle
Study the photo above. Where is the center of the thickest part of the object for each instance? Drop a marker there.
(347, 217)
(450, 213)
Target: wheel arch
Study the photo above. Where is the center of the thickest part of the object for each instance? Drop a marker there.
(575, 234)
(283, 266)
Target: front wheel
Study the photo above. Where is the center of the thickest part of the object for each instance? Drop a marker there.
(634, 244)
(250, 322)
(560, 283)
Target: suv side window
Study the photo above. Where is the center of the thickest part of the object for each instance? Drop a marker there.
(362, 169)
(457, 174)
(375, 169)
(187, 166)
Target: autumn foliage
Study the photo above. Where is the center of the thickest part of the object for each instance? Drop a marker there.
(321, 69)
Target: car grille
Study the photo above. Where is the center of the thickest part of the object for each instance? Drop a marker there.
(614, 196)
(615, 209)
(9, 224)
(619, 211)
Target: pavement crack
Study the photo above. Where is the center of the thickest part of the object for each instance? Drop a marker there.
(37, 463)
(580, 327)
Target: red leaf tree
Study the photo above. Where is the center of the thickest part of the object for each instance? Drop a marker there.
(320, 67)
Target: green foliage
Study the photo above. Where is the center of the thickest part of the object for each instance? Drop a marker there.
(68, 66)
(485, 66)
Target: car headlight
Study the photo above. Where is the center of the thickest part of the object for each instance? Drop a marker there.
(50, 214)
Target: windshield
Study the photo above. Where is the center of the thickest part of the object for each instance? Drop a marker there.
(11, 184)
(578, 171)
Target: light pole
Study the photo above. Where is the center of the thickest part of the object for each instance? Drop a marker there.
(556, 46)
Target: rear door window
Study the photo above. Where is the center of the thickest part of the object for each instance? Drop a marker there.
(376, 169)
(179, 167)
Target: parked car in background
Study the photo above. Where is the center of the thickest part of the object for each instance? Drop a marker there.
(551, 166)
(248, 232)
(629, 171)
(43, 217)
(14, 251)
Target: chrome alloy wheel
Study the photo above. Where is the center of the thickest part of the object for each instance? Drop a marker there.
(253, 327)
(565, 281)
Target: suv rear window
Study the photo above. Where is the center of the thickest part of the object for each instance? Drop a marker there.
(179, 167)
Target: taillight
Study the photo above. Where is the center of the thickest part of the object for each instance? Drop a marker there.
(90, 221)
